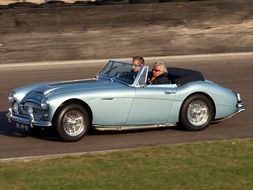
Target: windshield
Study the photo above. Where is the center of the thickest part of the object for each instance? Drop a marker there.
(119, 71)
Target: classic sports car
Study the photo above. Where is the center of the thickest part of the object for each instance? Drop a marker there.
(117, 99)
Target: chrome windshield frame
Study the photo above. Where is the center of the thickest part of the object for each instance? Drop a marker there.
(143, 74)
(139, 81)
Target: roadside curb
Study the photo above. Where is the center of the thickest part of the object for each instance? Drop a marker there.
(96, 62)
(102, 152)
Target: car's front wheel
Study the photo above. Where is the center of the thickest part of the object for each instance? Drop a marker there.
(72, 122)
(196, 112)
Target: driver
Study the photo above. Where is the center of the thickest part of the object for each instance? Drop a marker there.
(138, 62)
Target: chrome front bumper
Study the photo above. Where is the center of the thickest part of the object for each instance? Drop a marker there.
(26, 120)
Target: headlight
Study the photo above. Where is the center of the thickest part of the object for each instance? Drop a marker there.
(12, 97)
(44, 103)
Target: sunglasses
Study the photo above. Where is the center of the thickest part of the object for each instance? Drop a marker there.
(156, 70)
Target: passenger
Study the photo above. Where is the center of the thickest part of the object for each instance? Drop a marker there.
(159, 74)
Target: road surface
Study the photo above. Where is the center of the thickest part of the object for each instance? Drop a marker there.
(232, 71)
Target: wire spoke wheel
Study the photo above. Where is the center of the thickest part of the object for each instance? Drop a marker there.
(198, 113)
(73, 123)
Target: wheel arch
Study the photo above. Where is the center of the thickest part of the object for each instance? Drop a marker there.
(73, 101)
(199, 93)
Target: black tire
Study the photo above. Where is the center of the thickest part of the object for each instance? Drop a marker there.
(67, 119)
(196, 112)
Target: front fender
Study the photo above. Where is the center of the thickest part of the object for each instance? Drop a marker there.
(55, 101)
(22, 91)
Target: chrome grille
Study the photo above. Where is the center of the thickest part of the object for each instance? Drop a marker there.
(38, 112)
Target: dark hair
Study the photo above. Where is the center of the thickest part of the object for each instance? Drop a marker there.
(139, 58)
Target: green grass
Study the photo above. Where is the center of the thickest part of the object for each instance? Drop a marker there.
(216, 165)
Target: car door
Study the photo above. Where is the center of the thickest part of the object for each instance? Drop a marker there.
(152, 104)
(111, 107)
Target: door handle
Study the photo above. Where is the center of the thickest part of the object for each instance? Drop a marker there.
(107, 98)
(170, 92)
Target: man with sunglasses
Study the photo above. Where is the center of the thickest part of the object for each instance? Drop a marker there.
(138, 62)
(159, 74)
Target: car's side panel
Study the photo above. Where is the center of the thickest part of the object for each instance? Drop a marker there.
(109, 106)
(175, 110)
(152, 105)
(57, 100)
(112, 107)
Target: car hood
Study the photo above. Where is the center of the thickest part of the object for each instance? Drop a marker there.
(76, 85)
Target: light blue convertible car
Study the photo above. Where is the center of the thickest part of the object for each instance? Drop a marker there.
(117, 99)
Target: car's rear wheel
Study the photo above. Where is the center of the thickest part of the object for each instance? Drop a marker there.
(196, 112)
(72, 122)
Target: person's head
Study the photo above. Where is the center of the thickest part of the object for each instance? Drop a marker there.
(137, 61)
(158, 69)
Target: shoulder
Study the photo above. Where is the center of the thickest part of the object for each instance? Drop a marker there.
(163, 79)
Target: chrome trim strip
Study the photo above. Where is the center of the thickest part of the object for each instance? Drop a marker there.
(26, 120)
(131, 127)
(30, 100)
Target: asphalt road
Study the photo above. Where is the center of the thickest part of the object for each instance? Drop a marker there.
(232, 71)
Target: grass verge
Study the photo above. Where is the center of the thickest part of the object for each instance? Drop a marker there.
(216, 165)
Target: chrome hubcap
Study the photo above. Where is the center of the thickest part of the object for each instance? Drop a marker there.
(198, 113)
(73, 123)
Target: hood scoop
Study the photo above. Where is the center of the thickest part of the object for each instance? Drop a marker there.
(46, 89)
(51, 87)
